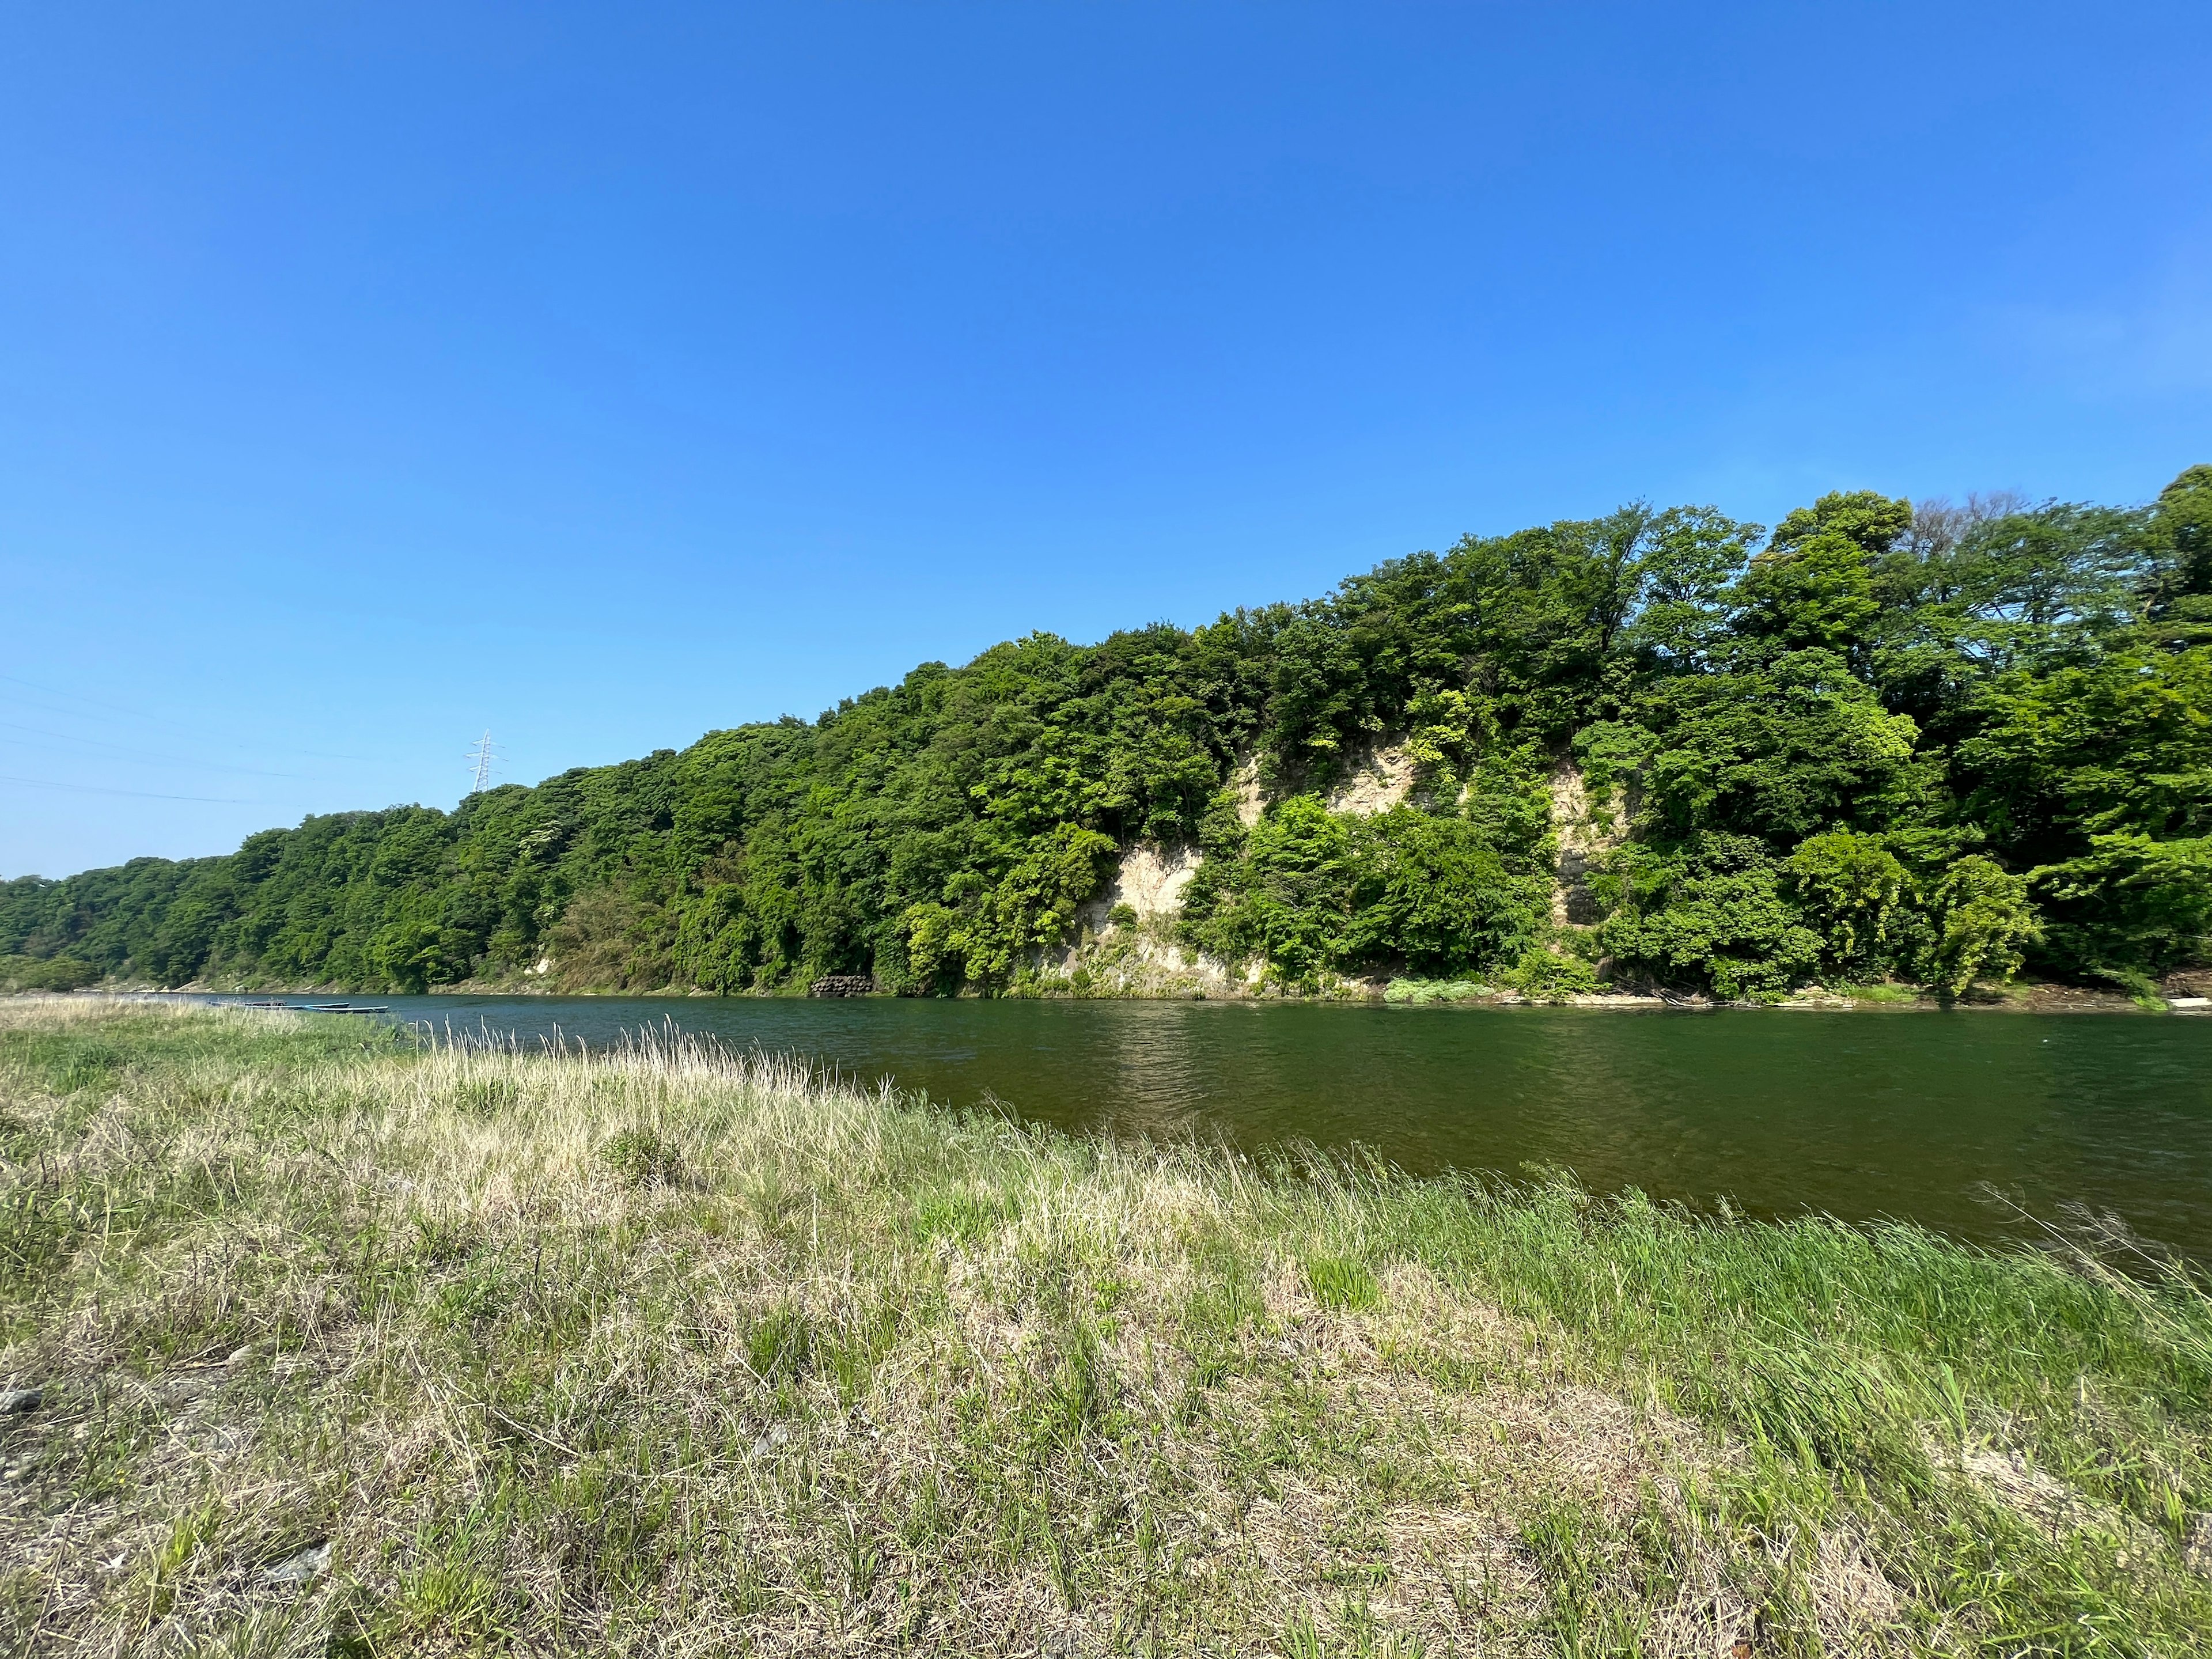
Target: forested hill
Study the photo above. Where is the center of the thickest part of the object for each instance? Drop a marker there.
(1880, 742)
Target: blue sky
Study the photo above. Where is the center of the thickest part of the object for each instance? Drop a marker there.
(370, 376)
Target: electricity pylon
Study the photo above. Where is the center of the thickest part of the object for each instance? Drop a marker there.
(480, 759)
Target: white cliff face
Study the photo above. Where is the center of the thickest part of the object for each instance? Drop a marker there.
(1143, 958)
(1149, 880)
(1250, 801)
(1152, 879)
(1381, 779)
(1585, 831)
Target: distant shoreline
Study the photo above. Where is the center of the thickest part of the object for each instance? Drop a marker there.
(2036, 999)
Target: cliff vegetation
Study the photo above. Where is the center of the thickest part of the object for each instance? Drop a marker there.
(1928, 745)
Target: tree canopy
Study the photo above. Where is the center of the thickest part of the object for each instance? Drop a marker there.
(1936, 743)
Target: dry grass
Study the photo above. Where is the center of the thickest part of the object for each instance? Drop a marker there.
(668, 1350)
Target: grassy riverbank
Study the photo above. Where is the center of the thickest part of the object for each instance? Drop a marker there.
(661, 1352)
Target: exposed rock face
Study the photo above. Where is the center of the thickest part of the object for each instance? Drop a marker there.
(1251, 800)
(1152, 879)
(1586, 830)
(1380, 779)
(1145, 959)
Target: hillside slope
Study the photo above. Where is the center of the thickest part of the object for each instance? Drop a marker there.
(1880, 743)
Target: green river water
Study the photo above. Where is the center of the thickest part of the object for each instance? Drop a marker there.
(1861, 1114)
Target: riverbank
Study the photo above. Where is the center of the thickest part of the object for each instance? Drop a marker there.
(332, 1337)
(2190, 993)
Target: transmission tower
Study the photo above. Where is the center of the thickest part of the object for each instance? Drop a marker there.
(482, 758)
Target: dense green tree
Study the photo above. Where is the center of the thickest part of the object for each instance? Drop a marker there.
(1927, 743)
(1712, 914)
(1979, 920)
(1853, 892)
(1307, 890)
(2179, 590)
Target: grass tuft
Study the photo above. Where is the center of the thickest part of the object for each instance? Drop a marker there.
(644, 1157)
(1338, 1281)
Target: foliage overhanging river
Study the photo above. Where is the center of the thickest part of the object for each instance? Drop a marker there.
(1862, 1115)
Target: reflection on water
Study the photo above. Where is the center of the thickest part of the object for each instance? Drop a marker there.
(1862, 1114)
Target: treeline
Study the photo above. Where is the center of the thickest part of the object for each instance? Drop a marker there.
(1932, 744)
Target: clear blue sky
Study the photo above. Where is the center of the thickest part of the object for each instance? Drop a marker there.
(373, 375)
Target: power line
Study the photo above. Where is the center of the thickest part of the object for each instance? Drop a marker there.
(136, 794)
(141, 715)
(66, 744)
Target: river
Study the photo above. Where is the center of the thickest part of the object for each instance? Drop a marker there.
(1859, 1113)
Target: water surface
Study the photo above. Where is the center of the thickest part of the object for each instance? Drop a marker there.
(1862, 1115)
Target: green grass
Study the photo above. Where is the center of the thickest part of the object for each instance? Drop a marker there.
(1882, 992)
(665, 1351)
(1433, 990)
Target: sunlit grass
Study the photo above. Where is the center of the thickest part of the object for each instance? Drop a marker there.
(665, 1350)
(1882, 992)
